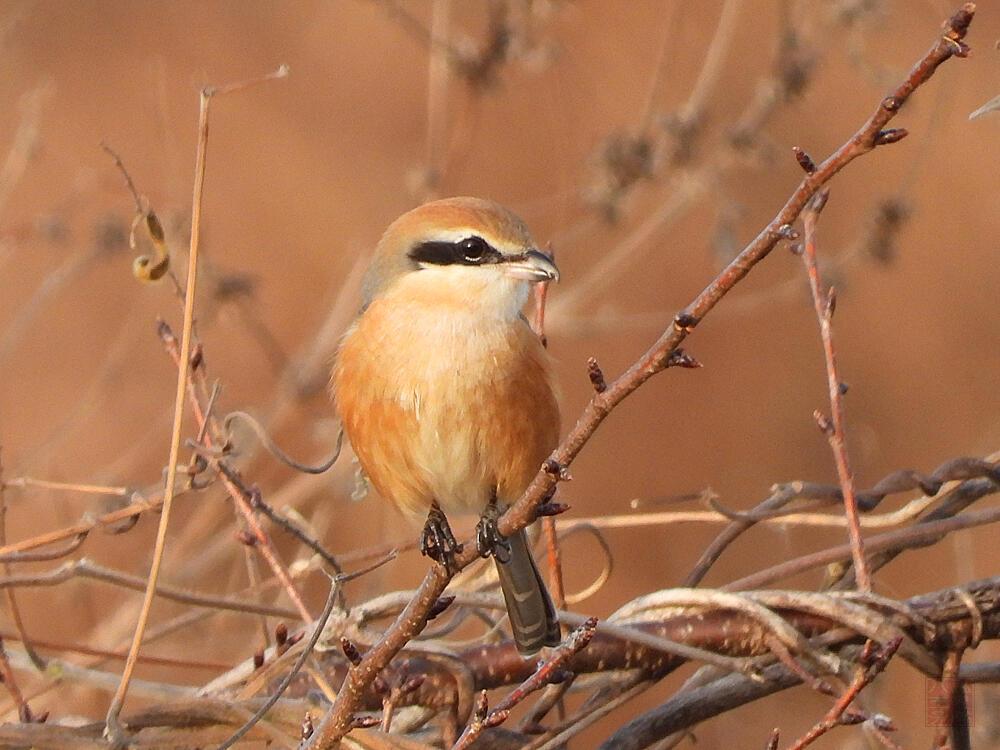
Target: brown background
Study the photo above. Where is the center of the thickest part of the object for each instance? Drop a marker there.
(304, 173)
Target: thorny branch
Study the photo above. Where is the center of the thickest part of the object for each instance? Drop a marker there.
(870, 135)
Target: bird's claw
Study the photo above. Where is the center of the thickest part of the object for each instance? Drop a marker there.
(489, 540)
(437, 541)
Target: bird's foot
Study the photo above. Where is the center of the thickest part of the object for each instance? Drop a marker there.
(437, 541)
(489, 540)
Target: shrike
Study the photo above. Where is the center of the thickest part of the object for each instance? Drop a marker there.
(446, 393)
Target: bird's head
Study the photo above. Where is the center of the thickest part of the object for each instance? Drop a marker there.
(470, 250)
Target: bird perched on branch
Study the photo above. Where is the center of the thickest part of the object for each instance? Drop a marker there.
(445, 392)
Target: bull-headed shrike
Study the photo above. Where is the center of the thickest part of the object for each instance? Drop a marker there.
(445, 392)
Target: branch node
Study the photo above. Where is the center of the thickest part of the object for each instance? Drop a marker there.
(197, 358)
(851, 717)
(889, 135)
(364, 722)
(596, 375)
(555, 469)
(892, 103)
(380, 686)
(550, 509)
(680, 358)
(958, 24)
(788, 232)
(818, 202)
(196, 465)
(482, 706)
(823, 422)
(830, 302)
(685, 321)
(496, 718)
(307, 726)
(440, 605)
(883, 722)
(805, 161)
(165, 332)
(351, 651)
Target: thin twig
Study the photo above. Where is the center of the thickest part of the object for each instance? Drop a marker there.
(824, 303)
(948, 720)
(113, 728)
(914, 536)
(15, 610)
(85, 525)
(86, 569)
(274, 450)
(317, 627)
(710, 74)
(548, 671)
(293, 529)
(413, 618)
(242, 495)
(114, 709)
(873, 663)
(105, 654)
(338, 720)
(945, 478)
(10, 682)
(659, 356)
(46, 484)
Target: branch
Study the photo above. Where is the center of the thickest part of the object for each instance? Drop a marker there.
(658, 357)
(118, 700)
(942, 622)
(661, 355)
(873, 663)
(824, 304)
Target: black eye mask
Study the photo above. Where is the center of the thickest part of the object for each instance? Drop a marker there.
(471, 251)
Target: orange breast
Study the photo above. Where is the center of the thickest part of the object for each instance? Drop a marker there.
(445, 407)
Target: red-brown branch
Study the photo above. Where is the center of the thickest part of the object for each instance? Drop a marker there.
(834, 429)
(873, 664)
(411, 621)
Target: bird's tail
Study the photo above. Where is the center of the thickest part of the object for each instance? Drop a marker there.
(529, 606)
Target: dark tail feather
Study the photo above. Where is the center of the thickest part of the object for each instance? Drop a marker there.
(529, 606)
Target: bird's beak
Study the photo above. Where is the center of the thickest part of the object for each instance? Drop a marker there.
(530, 266)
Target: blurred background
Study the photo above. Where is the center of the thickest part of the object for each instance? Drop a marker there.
(647, 141)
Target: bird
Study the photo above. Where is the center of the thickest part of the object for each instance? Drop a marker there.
(446, 394)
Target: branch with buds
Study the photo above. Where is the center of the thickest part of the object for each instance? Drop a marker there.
(659, 357)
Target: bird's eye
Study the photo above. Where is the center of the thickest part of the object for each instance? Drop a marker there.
(474, 249)
(470, 251)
